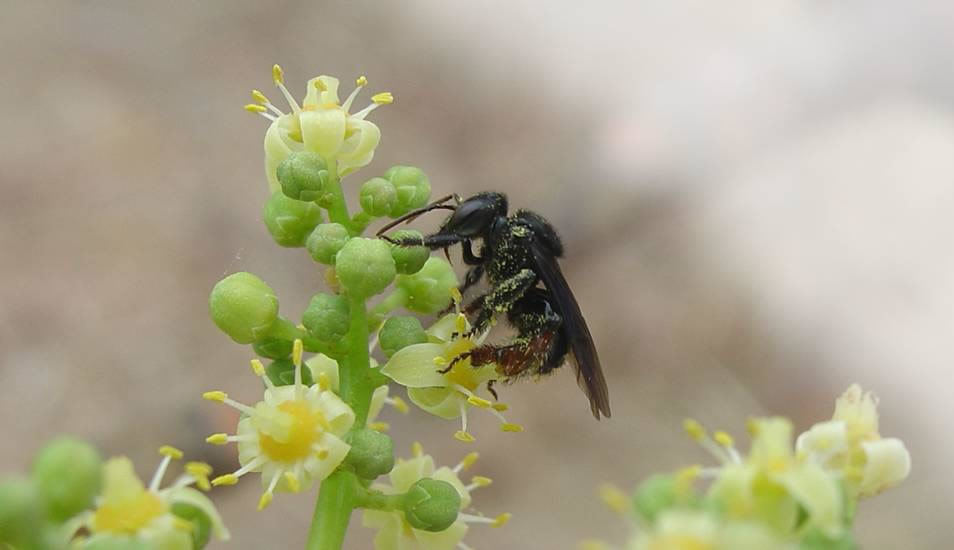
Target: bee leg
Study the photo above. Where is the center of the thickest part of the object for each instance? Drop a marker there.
(490, 388)
(502, 298)
(453, 362)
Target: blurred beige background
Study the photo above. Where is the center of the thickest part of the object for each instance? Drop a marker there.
(755, 198)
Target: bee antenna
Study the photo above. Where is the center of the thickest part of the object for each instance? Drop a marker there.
(414, 214)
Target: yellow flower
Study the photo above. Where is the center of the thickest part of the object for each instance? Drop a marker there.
(446, 394)
(129, 510)
(322, 124)
(395, 533)
(294, 436)
(850, 445)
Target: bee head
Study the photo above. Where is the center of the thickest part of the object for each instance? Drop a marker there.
(475, 216)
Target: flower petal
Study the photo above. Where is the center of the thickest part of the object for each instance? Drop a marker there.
(818, 493)
(279, 143)
(323, 131)
(414, 367)
(188, 495)
(407, 472)
(337, 412)
(442, 330)
(441, 402)
(888, 464)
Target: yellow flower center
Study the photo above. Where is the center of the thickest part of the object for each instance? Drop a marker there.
(306, 428)
(129, 515)
(463, 373)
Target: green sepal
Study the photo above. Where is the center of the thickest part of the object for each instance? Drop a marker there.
(303, 176)
(282, 373)
(431, 505)
(273, 348)
(290, 221)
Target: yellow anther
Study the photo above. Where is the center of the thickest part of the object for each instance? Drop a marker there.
(500, 407)
(502, 519)
(752, 426)
(460, 324)
(218, 439)
(383, 98)
(461, 435)
(264, 501)
(511, 427)
(361, 81)
(292, 481)
(440, 361)
(278, 75)
(259, 97)
(469, 460)
(417, 450)
(219, 396)
(686, 477)
(694, 429)
(297, 349)
(614, 498)
(227, 479)
(255, 108)
(322, 454)
(201, 472)
(170, 451)
(479, 402)
(379, 426)
(182, 524)
(400, 405)
(324, 381)
(456, 295)
(258, 368)
(724, 439)
(481, 481)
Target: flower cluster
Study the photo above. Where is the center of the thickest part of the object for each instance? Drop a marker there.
(74, 499)
(778, 496)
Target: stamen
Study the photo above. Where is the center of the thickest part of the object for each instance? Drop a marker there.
(379, 426)
(478, 482)
(252, 465)
(169, 454)
(498, 521)
(466, 462)
(383, 98)
(500, 407)
(399, 404)
(725, 440)
(218, 439)
(360, 83)
(292, 481)
(479, 402)
(279, 77)
(686, 477)
(698, 434)
(615, 499)
(462, 434)
(227, 479)
(297, 349)
(201, 472)
(510, 427)
(259, 369)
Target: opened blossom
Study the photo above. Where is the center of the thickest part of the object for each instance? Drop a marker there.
(322, 124)
(440, 378)
(294, 436)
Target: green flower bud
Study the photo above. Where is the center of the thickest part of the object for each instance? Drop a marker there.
(399, 332)
(327, 317)
(326, 241)
(371, 454)
(273, 348)
(654, 495)
(378, 197)
(431, 505)
(429, 290)
(364, 266)
(21, 511)
(67, 473)
(290, 221)
(408, 259)
(201, 522)
(412, 186)
(303, 176)
(282, 373)
(243, 306)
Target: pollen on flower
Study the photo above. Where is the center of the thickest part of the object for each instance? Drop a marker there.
(293, 436)
(461, 435)
(615, 499)
(383, 98)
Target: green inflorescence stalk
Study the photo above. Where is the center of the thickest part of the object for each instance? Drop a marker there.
(338, 494)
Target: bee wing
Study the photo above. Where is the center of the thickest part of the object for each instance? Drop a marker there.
(586, 362)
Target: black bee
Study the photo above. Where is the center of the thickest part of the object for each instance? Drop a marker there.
(519, 257)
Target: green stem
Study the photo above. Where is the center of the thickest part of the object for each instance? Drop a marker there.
(376, 500)
(338, 210)
(333, 511)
